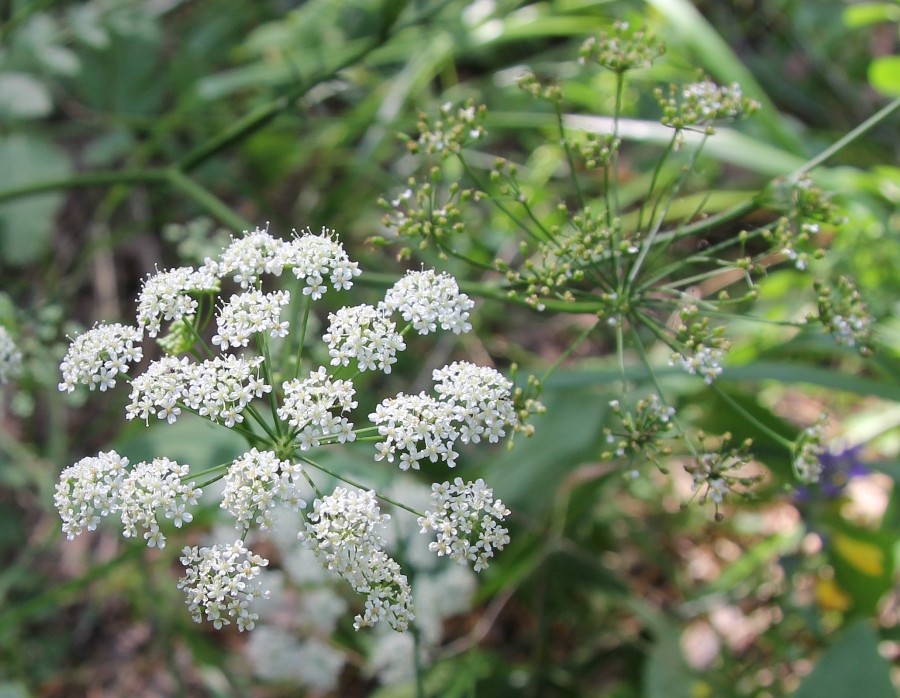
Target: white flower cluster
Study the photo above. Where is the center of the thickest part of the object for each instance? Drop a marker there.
(166, 295)
(10, 356)
(218, 388)
(473, 402)
(100, 485)
(221, 583)
(365, 334)
(255, 483)
(705, 362)
(808, 451)
(713, 102)
(245, 314)
(252, 255)
(480, 398)
(285, 656)
(708, 473)
(89, 489)
(308, 406)
(345, 532)
(96, 357)
(429, 300)
(312, 258)
(467, 522)
(151, 487)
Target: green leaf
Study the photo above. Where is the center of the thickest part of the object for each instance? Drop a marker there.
(884, 74)
(123, 78)
(195, 442)
(26, 223)
(867, 13)
(564, 437)
(863, 563)
(13, 690)
(666, 673)
(850, 667)
(23, 96)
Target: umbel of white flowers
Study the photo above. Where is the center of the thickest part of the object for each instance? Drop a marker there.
(229, 380)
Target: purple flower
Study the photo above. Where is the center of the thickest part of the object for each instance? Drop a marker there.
(837, 470)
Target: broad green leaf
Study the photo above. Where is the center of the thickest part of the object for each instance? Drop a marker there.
(23, 96)
(528, 476)
(867, 13)
(666, 673)
(863, 564)
(195, 442)
(884, 74)
(26, 223)
(13, 690)
(124, 77)
(850, 667)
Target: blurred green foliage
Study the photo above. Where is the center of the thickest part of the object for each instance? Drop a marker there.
(118, 119)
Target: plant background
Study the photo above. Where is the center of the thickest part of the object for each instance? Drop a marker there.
(140, 129)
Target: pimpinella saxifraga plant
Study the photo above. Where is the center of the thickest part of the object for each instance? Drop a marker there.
(662, 268)
(234, 358)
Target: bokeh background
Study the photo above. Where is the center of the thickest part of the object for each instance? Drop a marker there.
(136, 135)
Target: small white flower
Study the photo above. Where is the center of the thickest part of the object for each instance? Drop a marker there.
(255, 483)
(218, 388)
(808, 451)
(155, 488)
(248, 257)
(467, 522)
(309, 406)
(429, 300)
(473, 403)
(96, 357)
(345, 530)
(313, 258)
(167, 295)
(221, 582)
(705, 362)
(248, 313)
(10, 356)
(364, 334)
(88, 490)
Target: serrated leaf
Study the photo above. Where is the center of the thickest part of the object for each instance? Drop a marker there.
(23, 96)
(26, 223)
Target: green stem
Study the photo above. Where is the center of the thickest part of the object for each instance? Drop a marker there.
(620, 356)
(576, 184)
(206, 199)
(613, 201)
(343, 478)
(574, 345)
(848, 138)
(496, 201)
(93, 179)
(262, 344)
(417, 660)
(650, 372)
(262, 422)
(302, 340)
(750, 418)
